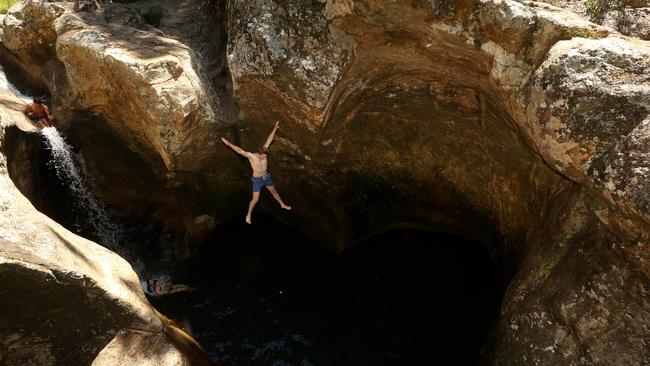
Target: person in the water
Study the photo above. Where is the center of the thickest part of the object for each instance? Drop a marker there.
(157, 287)
(261, 177)
(38, 112)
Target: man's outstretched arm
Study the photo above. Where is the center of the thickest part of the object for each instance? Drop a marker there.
(237, 149)
(272, 135)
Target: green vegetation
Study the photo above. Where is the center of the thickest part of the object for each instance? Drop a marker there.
(5, 5)
(546, 269)
(596, 9)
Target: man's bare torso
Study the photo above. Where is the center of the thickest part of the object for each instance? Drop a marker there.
(259, 163)
(37, 111)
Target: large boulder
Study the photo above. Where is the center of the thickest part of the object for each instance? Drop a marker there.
(170, 348)
(64, 298)
(160, 94)
(590, 100)
(127, 83)
(522, 124)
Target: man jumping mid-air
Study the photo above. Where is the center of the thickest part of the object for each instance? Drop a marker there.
(261, 177)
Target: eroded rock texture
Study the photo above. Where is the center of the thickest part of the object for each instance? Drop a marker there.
(630, 17)
(522, 124)
(63, 298)
(123, 79)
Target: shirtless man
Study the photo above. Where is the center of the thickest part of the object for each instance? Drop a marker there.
(261, 177)
(38, 112)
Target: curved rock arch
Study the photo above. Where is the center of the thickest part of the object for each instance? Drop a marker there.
(516, 74)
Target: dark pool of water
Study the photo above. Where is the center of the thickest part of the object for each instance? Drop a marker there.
(267, 296)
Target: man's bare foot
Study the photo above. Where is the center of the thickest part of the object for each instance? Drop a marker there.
(286, 207)
(248, 220)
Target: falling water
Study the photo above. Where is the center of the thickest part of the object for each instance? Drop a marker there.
(66, 164)
(5, 84)
(69, 170)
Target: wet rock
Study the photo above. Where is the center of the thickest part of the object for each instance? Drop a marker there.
(523, 124)
(63, 297)
(112, 72)
(588, 96)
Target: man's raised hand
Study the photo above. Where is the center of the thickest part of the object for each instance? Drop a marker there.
(226, 142)
(277, 125)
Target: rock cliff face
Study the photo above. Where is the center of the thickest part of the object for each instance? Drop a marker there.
(63, 297)
(120, 78)
(522, 124)
(630, 17)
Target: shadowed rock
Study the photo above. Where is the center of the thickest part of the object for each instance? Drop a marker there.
(63, 297)
(520, 124)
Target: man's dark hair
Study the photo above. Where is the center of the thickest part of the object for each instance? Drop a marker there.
(263, 150)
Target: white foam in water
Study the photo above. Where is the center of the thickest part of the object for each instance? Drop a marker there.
(68, 170)
(5, 84)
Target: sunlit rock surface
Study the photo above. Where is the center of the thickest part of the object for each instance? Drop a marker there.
(108, 61)
(173, 347)
(126, 80)
(522, 124)
(63, 298)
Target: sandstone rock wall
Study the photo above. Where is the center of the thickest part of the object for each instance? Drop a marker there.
(522, 124)
(161, 95)
(62, 298)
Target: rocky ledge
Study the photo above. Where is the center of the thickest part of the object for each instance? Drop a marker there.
(519, 123)
(65, 299)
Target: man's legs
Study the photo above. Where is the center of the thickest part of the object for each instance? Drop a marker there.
(276, 195)
(179, 288)
(251, 205)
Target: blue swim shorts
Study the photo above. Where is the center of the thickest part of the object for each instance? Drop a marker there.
(263, 181)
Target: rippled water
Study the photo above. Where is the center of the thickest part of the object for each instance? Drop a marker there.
(66, 164)
(266, 296)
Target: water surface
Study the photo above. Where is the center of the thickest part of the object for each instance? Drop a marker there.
(267, 296)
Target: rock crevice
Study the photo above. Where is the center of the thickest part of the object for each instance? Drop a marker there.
(521, 124)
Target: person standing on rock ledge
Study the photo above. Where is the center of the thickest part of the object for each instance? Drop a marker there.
(261, 177)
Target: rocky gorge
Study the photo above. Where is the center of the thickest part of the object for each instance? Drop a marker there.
(522, 125)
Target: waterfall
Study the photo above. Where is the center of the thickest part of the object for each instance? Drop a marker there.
(90, 213)
(5, 84)
(68, 169)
